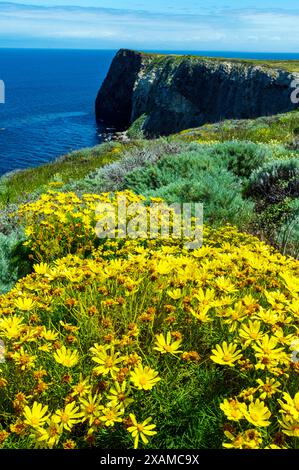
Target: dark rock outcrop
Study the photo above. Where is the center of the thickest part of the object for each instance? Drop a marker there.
(114, 101)
(179, 92)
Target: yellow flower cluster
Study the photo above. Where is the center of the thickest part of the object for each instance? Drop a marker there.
(59, 223)
(89, 339)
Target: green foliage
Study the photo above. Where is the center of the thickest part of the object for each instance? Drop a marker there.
(155, 59)
(170, 168)
(71, 167)
(242, 157)
(13, 260)
(136, 129)
(137, 155)
(193, 387)
(287, 235)
(274, 187)
(273, 129)
(14, 257)
(274, 181)
(195, 177)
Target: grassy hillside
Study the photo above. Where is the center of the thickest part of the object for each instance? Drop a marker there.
(100, 335)
(67, 168)
(282, 128)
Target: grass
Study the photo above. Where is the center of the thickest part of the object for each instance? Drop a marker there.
(288, 65)
(71, 167)
(282, 128)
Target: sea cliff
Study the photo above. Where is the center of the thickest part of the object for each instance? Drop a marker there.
(178, 92)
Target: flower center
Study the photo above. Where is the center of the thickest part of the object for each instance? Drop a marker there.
(143, 380)
(90, 408)
(110, 415)
(109, 362)
(254, 416)
(64, 417)
(35, 420)
(227, 357)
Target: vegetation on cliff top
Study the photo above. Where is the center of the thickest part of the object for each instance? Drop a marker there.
(288, 65)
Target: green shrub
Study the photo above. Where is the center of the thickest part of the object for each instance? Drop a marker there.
(136, 129)
(218, 192)
(112, 177)
(287, 236)
(274, 181)
(187, 165)
(195, 177)
(279, 225)
(13, 260)
(241, 157)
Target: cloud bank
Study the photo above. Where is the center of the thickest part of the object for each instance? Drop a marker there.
(107, 28)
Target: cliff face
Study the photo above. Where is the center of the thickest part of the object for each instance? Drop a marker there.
(177, 92)
(115, 99)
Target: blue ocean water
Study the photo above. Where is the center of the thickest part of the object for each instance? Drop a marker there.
(50, 96)
(49, 105)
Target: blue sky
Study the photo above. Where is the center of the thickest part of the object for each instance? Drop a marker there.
(227, 25)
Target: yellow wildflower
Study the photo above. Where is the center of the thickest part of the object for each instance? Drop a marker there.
(25, 304)
(290, 427)
(11, 326)
(268, 388)
(175, 294)
(36, 416)
(49, 335)
(50, 435)
(144, 377)
(112, 415)
(250, 439)
(66, 357)
(68, 417)
(233, 409)
(141, 430)
(290, 406)
(42, 268)
(90, 408)
(82, 388)
(251, 332)
(108, 363)
(258, 414)
(120, 394)
(164, 345)
(24, 360)
(227, 354)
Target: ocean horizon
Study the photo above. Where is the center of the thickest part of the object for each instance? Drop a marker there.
(50, 95)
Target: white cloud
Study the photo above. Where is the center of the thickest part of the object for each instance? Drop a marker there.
(105, 27)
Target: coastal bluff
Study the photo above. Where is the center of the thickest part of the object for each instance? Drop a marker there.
(177, 92)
